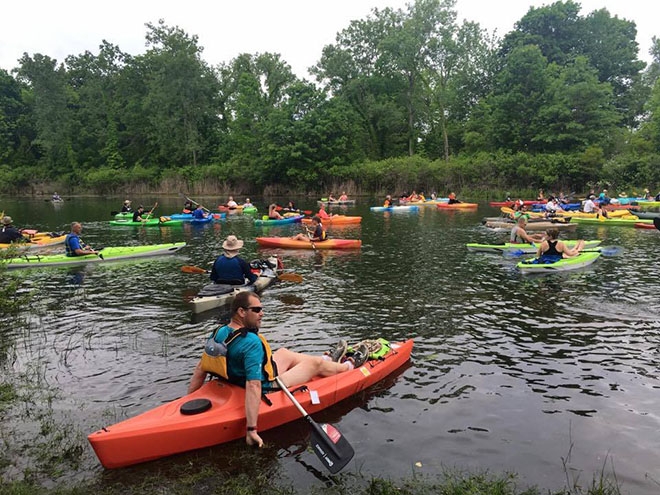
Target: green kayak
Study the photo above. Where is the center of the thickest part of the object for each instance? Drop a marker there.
(152, 222)
(585, 258)
(105, 255)
(508, 247)
(609, 221)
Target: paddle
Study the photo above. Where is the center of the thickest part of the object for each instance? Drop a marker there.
(152, 210)
(330, 446)
(195, 203)
(286, 277)
(309, 235)
(656, 222)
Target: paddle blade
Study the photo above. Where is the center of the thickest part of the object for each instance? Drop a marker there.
(290, 277)
(656, 222)
(307, 212)
(330, 446)
(514, 253)
(192, 269)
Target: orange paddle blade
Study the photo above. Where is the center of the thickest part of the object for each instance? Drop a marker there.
(290, 277)
(192, 269)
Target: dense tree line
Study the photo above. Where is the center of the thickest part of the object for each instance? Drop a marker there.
(405, 98)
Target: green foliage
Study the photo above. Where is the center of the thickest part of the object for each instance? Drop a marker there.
(564, 89)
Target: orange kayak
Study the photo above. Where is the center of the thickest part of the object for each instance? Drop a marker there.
(288, 243)
(165, 430)
(457, 206)
(335, 220)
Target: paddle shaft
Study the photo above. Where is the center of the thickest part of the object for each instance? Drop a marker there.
(196, 203)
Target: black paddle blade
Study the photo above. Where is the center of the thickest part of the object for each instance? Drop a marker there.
(656, 222)
(330, 446)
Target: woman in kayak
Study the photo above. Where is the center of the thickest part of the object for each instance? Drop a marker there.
(273, 214)
(229, 268)
(74, 245)
(388, 201)
(246, 360)
(452, 199)
(519, 235)
(553, 249)
(318, 234)
(126, 207)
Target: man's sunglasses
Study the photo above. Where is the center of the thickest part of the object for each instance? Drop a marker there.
(255, 309)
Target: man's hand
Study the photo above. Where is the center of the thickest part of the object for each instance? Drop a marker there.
(253, 438)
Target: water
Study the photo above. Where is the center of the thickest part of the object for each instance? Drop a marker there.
(546, 376)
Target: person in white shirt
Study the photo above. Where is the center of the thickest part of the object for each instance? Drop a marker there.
(231, 203)
(589, 205)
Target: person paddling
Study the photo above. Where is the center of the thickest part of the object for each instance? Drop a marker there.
(552, 250)
(240, 354)
(318, 234)
(9, 233)
(74, 245)
(519, 234)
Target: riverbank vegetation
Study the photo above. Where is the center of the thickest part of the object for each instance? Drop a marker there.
(404, 99)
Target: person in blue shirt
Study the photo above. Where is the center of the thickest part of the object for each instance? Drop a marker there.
(229, 268)
(250, 363)
(198, 213)
(74, 245)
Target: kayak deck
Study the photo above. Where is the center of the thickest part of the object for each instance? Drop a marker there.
(581, 260)
(288, 243)
(165, 431)
(106, 254)
(508, 247)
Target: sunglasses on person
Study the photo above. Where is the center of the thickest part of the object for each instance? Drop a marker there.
(254, 309)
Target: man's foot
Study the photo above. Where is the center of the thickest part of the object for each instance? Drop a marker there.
(359, 356)
(338, 351)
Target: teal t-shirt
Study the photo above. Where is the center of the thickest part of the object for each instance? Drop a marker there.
(245, 356)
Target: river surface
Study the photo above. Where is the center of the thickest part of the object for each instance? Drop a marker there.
(551, 377)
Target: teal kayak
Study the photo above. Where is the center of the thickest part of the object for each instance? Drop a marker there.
(152, 222)
(105, 255)
(508, 247)
(533, 265)
(293, 219)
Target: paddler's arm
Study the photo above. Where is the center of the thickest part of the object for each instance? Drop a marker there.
(252, 402)
(197, 380)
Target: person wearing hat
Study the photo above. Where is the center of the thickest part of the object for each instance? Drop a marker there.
(229, 268)
(74, 245)
(603, 198)
(9, 233)
(126, 208)
(137, 215)
(589, 206)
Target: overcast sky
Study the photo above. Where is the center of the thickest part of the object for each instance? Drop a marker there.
(296, 29)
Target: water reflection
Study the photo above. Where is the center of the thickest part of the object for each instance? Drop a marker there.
(508, 371)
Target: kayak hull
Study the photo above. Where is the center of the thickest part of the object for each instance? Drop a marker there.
(106, 254)
(165, 431)
(346, 202)
(37, 243)
(395, 208)
(152, 222)
(187, 217)
(335, 220)
(288, 243)
(457, 206)
(283, 221)
(523, 248)
(532, 226)
(611, 221)
(200, 304)
(580, 261)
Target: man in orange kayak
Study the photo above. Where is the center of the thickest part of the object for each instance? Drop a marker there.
(240, 354)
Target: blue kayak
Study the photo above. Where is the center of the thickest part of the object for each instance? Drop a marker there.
(395, 208)
(293, 219)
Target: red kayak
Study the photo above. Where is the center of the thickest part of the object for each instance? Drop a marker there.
(215, 413)
(288, 243)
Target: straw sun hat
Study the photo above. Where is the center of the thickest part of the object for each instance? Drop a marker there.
(231, 246)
